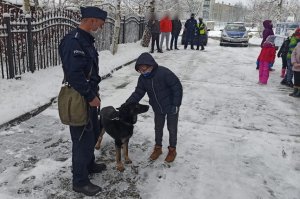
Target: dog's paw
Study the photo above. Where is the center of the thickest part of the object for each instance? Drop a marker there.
(128, 161)
(120, 167)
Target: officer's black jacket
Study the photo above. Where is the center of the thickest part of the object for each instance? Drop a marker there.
(190, 25)
(79, 56)
(162, 86)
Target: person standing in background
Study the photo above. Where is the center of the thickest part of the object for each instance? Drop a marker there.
(176, 28)
(154, 26)
(201, 34)
(165, 29)
(266, 59)
(190, 28)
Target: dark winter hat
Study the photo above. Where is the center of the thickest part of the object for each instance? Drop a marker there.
(93, 12)
(192, 15)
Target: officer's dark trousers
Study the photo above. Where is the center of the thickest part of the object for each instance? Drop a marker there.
(84, 139)
(189, 38)
(172, 123)
(154, 39)
(200, 41)
(174, 37)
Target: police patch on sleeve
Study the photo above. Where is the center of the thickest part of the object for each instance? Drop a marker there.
(78, 53)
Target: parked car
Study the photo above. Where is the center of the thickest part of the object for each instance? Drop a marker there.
(195, 38)
(234, 34)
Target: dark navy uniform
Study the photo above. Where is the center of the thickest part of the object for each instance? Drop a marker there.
(79, 59)
(190, 26)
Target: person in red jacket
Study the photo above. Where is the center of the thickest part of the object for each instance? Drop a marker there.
(165, 29)
(266, 59)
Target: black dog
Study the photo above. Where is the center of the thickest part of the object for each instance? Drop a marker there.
(119, 125)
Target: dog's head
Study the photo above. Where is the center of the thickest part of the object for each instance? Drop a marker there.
(131, 110)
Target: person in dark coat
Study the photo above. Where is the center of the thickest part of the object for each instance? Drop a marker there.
(154, 26)
(80, 63)
(176, 28)
(165, 95)
(190, 29)
(268, 30)
(283, 51)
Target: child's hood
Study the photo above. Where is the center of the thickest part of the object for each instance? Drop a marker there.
(270, 41)
(268, 24)
(145, 59)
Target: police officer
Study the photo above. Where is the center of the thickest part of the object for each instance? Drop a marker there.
(201, 34)
(190, 28)
(80, 65)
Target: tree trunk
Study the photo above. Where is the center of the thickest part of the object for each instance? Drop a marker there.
(26, 6)
(115, 41)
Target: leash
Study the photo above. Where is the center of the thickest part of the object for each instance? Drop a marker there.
(118, 119)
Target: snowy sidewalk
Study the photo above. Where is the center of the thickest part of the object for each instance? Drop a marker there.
(35, 90)
(236, 139)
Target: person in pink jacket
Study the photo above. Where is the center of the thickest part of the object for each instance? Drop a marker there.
(266, 59)
(295, 59)
(165, 29)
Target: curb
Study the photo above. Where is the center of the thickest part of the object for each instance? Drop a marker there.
(30, 114)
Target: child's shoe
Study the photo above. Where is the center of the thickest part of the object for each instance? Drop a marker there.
(294, 92)
(297, 94)
(171, 155)
(156, 152)
(290, 84)
(283, 82)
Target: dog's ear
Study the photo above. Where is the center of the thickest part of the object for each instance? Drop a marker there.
(126, 104)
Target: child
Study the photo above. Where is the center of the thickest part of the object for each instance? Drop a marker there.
(295, 59)
(165, 94)
(288, 79)
(266, 59)
(283, 51)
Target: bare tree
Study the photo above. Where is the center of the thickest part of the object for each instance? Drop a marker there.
(115, 41)
(26, 6)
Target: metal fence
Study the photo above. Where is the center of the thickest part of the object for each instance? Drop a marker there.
(30, 42)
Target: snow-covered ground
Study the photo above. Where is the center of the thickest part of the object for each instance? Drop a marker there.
(236, 139)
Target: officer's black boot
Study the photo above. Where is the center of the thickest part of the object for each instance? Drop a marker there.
(97, 168)
(90, 189)
(294, 92)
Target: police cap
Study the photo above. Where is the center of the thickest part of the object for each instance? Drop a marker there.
(93, 12)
